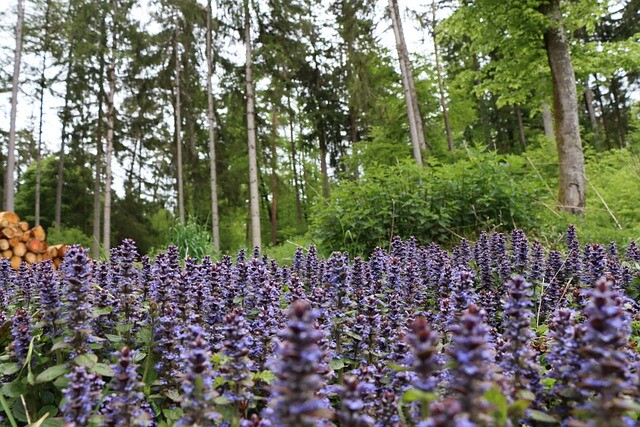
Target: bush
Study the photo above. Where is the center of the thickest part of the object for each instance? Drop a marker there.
(433, 203)
(68, 236)
(192, 239)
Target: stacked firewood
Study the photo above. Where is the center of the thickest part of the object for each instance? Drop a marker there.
(21, 243)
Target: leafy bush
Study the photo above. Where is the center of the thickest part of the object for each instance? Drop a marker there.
(433, 203)
(68, 236)
(192, 239)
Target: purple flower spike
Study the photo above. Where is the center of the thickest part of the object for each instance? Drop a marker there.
(81, 395)
(352, 402)
(424, 343)
(294, 399)
(21, 332)
(76, 271)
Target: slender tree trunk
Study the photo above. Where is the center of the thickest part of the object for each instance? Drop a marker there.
(215, 221)
(572, 177)
(294, 169)
(443, 98)
(97, 182)
(9, 190)
(254, 201)
(178, 130)
(410, 96)
(547, 122)
(521, 136)
(324, 170)
(111, 117)
(41, 100)
(615, 101)
(588, 100)
(274, 176)
(603, 116)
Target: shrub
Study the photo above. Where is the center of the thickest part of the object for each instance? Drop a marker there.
(433, 203)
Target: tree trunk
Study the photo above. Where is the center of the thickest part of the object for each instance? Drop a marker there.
(603, 116)
(111, 117)
(294, 169)
(415, 121)
(443, 98)
(178, 128)
(215, 221)
(274, 177)
(521, 136)
(97, 187)
(482, 109)
(588, 100)
(572, 177)
(45, 49)
(324, 170)
(547, 122)
(9, 190)
(254, 202)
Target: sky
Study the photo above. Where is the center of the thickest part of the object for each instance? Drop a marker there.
(28, 107)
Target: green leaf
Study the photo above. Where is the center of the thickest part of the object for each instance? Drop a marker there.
(336, 364)
(88, 359)
(139, 356)
(499, 401)
(353, 335)
(413, 394)
(103, 369)
(15, 388)
(9, 368)
(40, 421)
(60, 344)
(518, 407)
(113, 338)
(541, 416)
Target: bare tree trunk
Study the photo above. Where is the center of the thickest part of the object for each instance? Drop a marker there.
(572, 176)
(215, 220)
(521, 136)
(292, 143)
(274, 177)
(415, 120)
(443, 98)
(547, 122)
(324, 170)
(588, 100)
(254, 202)
(178, 108)
(111, 117)
(97, 183)
(9, 190)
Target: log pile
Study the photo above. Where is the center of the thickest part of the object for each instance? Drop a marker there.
(20, 243)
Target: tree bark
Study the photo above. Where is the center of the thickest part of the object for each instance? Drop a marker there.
(111, 116)
(178, 129)
(254, 201)
(572, 176)
(294, 169)
(274, 177)
(9, 190)
(215, 221)
(521, 136)
(588, 100)
(410, 96)
(97, 187)
(45, 49)
(443, 98)
(547, 122)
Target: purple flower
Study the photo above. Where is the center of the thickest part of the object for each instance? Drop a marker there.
(352, 396)
(294, 400)
(76, 273)
(573, 266)
(21, 331)
(49, 302)
(81, 395)
(237, 369)
(197, 384)
(123, 407)
(424, 343)
(519, 251)
(472, 355)
(536, 262)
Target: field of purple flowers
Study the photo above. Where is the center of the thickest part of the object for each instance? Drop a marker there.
(500, 332)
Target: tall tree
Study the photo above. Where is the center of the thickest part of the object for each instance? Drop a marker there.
(178, 128)
(254, 202)
(572, 177)
(111, 117)
(411, 97)
(443, 98)
(9, 187)
(215, 221)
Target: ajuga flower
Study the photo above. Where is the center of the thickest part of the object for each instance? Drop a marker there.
(76, 272)
(237, 370)
(573, 266)
(462, 253)
(518, 357)
(294, 402)
(352, 395)
(606, 364)
(498, 245)
(123, 406)
(447, 413)
(536, 262)
(519, 251)
(49, 301)
(387, 410)
(633, 253)
(472, 355)
(424, 343)
(482, 256)
(197, 384)
(81, 395)
(21, 332)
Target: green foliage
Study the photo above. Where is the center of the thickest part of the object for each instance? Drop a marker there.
(436, 203)
(68, 236)
(192, 239)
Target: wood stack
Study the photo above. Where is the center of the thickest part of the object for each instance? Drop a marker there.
(19, 243)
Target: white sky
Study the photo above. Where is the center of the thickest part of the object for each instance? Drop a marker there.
(28, 102)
